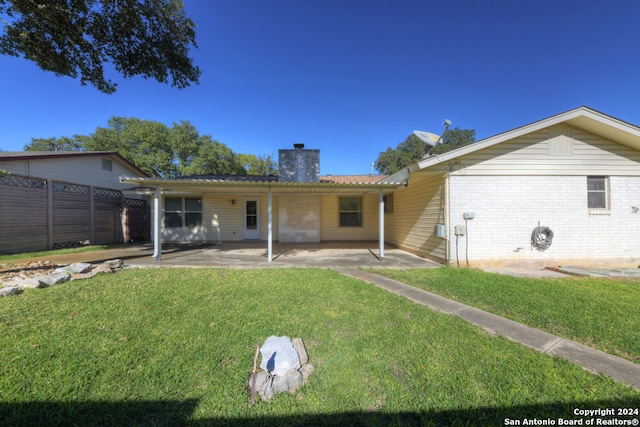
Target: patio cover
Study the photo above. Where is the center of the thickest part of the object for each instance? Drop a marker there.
(238, 184)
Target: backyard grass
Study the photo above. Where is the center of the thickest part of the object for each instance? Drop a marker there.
(163, 347)
(601, 313)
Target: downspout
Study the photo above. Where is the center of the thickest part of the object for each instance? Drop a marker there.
(381, 225)
(157, 239)
(447, 198)
(269, 227)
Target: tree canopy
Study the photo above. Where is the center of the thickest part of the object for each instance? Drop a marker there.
(77, 38)
(413, 149)
(161, 151)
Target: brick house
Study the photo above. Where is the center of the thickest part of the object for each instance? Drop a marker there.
(575, 174)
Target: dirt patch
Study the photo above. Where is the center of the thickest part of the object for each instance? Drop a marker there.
(26, 270)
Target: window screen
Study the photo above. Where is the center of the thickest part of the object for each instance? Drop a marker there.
(597, 192)
(350, 211)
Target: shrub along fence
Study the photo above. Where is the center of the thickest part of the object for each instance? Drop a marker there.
(39, 214)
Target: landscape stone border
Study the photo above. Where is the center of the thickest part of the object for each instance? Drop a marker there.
(75, 271)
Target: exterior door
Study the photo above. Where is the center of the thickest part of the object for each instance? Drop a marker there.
(251, 223)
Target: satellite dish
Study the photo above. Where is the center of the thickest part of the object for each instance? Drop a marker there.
(429, 138)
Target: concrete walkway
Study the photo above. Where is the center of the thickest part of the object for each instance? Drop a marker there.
(593, 360)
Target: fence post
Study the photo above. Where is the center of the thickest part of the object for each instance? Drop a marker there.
(92, 217)
(49, 184)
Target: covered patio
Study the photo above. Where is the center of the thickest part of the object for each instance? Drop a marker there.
(293, 217)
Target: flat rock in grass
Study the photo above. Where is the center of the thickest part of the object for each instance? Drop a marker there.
(279, 356)
(302, 352)
(80, 276)
(306, 370)
(11, 290)
(58, 276)
(102, 268)
(78, 268)
(270, 385)
(114, 264)
(26, 283)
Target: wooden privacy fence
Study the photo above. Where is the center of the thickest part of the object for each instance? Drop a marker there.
(38, 214)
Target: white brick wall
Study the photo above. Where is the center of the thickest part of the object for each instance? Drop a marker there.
(508, 208)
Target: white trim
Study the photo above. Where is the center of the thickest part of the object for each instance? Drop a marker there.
(381, 225)
(157, 237)
(269, 226)
(251, 234)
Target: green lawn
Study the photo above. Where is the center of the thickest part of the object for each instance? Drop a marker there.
(601, 313)
(174, 347)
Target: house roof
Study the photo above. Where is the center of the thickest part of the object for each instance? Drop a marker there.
(27, 155)
(260, 183)
(582, 117)
(343, 179)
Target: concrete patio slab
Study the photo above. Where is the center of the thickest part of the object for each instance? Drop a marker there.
(254, 255)
(629, 273)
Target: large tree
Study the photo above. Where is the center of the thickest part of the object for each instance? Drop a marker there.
(258, 165)
(157, 149)
(77, 38)
(413, 149)
(56, 144)
(452, 139)
(409, 151)
(145, 143)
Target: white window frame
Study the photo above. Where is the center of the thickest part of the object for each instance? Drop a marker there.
(352, 212)
(598, 185)
(183, 212)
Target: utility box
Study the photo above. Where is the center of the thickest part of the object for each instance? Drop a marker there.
(440, 231)
(460, 230)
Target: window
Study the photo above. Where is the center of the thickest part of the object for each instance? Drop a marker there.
(182, 212)
(388, 203)
(597, 192)
(107, 165)
(350, 211)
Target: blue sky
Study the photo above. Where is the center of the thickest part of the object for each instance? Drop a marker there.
(354, 77)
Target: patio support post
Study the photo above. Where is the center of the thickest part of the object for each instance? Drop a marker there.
(157, 239)
(269, 226)
(381, 221)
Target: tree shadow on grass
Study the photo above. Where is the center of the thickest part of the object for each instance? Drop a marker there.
(97, 413)
(179, 413)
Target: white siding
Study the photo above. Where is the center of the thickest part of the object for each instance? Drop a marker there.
(222, 221)
(507, 209)
(85, 170)
(417, 209)
(559, 150)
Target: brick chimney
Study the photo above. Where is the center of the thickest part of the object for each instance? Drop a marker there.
(299, 165)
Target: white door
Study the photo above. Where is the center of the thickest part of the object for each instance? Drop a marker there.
(251, 223)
